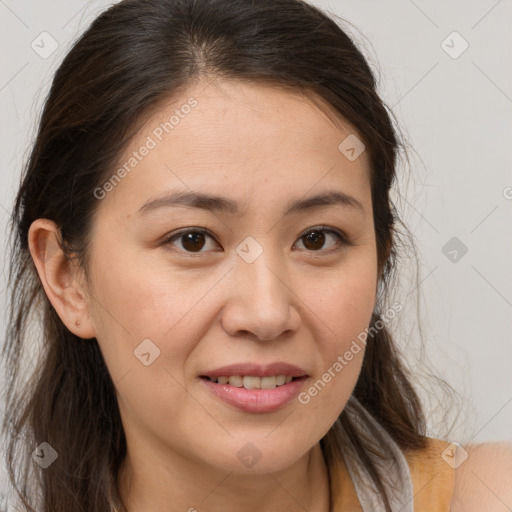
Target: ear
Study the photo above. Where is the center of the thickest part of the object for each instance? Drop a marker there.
(60, 278)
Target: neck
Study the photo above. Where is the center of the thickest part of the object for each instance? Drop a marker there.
(158, 486)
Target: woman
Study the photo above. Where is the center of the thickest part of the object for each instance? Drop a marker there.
(205, 224)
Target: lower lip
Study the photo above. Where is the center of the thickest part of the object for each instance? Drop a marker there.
(256, 400)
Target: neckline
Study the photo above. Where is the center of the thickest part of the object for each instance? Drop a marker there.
(351, 485)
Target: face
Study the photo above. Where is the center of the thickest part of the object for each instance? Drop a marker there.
(259, 277)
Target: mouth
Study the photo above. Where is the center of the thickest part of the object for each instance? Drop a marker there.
(253, 381)
(254, 393)
(255, 388)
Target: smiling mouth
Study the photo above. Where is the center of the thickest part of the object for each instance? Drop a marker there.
(253, 382)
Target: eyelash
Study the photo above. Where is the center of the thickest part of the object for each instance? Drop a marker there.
(343, 240)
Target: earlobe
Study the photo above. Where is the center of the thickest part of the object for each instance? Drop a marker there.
(59, 278)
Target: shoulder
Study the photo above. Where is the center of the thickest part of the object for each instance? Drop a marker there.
(483, 480)
(469, 478)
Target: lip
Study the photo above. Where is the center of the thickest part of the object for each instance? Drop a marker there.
(248, 368)
(256, 400)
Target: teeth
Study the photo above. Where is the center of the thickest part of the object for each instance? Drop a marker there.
(252, 382)
(268, 382)
(236, 381)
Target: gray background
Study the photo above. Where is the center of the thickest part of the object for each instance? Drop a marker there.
(455, 112)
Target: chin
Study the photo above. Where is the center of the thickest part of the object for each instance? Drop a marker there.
(259, 456)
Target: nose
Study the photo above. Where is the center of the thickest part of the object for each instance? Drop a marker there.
(261, 301)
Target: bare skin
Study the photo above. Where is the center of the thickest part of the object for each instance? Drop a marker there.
(263, 147)
(483, 482)
(299, 302)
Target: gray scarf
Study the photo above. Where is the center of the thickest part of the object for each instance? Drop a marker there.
(387, 457)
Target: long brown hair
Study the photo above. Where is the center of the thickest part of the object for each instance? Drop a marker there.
(135, 56)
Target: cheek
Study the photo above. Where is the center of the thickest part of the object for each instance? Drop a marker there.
(136, 301)
(344, 298)
(343, 303)
(325, 396)
(175, 309)
(147, 332)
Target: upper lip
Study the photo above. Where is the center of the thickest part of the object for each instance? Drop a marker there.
(256, 370)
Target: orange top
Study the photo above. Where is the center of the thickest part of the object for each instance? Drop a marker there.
(433, 481)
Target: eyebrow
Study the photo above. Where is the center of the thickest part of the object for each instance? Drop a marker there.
(215, 203)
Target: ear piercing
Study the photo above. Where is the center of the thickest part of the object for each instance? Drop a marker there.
(77, 323)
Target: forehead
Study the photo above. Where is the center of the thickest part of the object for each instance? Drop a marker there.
(250, 139)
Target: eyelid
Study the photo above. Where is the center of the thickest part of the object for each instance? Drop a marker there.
(343, 239)
(327, 229)
(176, 235)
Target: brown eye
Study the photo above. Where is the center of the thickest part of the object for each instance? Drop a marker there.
(315, 239)
(192, 240)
